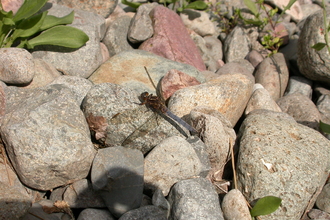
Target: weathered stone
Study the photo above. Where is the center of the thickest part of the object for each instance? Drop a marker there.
(234, 206)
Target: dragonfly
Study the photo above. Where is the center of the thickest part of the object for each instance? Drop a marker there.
(156, 105)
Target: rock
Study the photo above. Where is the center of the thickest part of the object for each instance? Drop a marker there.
(134, 76)
(175, 80)
(301, 108)
(81, 195)
(79, 86)
(80, 62)
(318, 214)
(149, 212)
(227, 94)
(116, 118)
(198, 21)
(314, 64)
(49, 123)
(275, 159)
(172, 160)
(194, 199)
(237, 45)
(9, 5)
(2, 100)
(89, 213)
(273, 74)
(171, 39)
(16, 65)
(116, 36)
(159, 200)
(322, 201)
(140, 28)
(261, 99)
(254, 57)
(323, 105)
(217, 133)
(46, 209)
(45, 73)
(298, 84)
(234, 206)
(117, 175)
(103, 8)
(238, 66)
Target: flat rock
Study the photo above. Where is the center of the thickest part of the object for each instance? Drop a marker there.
(275, 159)
(172, 160)
(117, 175)
(90, 213)
(49, 123)
(227, 94)
(171, 39)
(301, 108)
(149, 212)
(299, 84)
(194, 199)
(198, 21)
(127, 69)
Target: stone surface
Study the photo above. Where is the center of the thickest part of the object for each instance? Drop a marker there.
(298, 84)
(117, 175)
(227, 94)
(286, 147)
(314, 64)
(54, 147)
(116, 118)
(273, 74)
(172, 160)
(234, 206)
(198, 21)
(45, 73)
(194, 199)
(237, 45)
(217, 134)
(21, 69)
(171, 39)
(140, 28)
(322, 201)
(127, 69)
(79, 86)
(88, 214)
(301, 108)
(149, 212)
(261, 99)
(116, 36)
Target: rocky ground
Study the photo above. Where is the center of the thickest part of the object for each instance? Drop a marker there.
(76, 144)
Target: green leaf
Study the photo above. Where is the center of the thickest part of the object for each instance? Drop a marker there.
(29, 8)
(289, 5)
(265, 206)
(318, 46)
(30, 26)
(324, 127)
(252, 6)
(51, 21)
(131, 4)
(198, 5)
(64, 36)
(8, 21)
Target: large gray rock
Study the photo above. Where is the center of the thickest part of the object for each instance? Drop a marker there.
(194, 199)
(46, 136)
(282, 158)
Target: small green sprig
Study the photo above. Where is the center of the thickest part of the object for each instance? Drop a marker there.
(265, 206)
(28, 28)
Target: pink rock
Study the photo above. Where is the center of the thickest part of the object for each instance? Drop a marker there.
(11, 5)
(171, 39)
(2, 100)
(175, 80)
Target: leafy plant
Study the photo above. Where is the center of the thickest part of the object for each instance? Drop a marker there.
(271, 40)
(324, 127)
(265, 206)
(28, 28)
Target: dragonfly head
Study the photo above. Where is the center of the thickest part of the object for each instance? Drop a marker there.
(144, 96)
